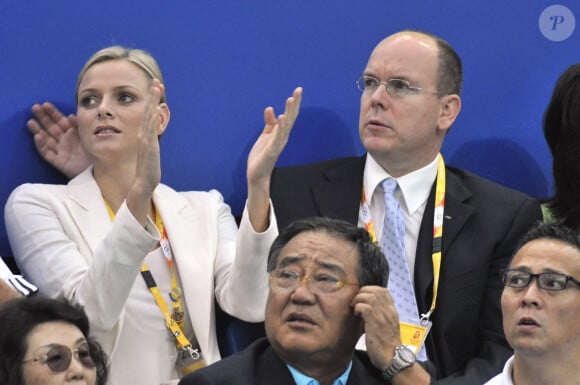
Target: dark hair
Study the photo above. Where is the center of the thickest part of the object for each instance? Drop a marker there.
(17, 319)
(562, 132)
(544, 230)
(373, 268)
(450, 71)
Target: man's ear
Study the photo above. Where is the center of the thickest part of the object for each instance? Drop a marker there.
(450, 107)
(164, 116)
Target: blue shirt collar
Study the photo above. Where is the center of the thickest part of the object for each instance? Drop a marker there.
(302, 379)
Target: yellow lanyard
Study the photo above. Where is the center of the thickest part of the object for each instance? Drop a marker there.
(437, 234)
(437, 230)
(175, 293)
(174, 325)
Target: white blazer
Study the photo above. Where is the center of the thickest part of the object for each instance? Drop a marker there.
(63, 240)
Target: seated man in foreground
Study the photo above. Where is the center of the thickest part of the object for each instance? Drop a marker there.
(540, 318)
(327, 286)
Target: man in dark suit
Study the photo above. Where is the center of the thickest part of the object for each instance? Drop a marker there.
(327, 284)
(410, 98)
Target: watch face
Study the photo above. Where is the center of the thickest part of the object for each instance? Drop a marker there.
(406, 354)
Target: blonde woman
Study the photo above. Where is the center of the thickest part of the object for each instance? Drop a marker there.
(114, 232)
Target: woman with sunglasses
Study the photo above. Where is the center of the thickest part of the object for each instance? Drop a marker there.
(146, 262)
(46, 342)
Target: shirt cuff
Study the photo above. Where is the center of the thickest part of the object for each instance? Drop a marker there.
(18, 283)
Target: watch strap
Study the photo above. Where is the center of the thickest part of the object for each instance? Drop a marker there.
(403, 358)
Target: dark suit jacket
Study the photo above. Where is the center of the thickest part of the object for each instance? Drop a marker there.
(258, 364)
(483, 224)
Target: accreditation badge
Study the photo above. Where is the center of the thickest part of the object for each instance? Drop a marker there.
(413, 334)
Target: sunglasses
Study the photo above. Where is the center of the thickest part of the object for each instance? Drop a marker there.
(58, 357)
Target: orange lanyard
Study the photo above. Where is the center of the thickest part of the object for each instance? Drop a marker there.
(437, 229)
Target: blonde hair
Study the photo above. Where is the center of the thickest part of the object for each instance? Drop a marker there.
(139, 57)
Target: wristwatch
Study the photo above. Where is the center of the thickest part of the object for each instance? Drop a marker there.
(403, 358)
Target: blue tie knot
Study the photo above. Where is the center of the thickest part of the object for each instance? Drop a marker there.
(389, 186)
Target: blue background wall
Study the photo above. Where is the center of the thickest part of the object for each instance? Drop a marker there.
(224, 61)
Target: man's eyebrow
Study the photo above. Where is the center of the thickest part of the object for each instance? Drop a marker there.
(400, 77)
(331, 266)
(290, 260)
(527, 269)
(523, 268)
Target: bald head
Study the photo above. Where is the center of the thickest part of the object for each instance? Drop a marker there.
(447, 66)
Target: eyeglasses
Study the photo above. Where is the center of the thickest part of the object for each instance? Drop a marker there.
(548, 281)
(58, 357)
(395, 87)
(319, 283)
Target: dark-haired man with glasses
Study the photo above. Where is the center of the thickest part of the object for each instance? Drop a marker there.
(327, 285)
(541, 309)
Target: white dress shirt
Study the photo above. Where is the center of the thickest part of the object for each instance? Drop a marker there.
(505, 377)
(412, 194)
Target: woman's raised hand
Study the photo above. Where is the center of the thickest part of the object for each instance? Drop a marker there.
(148, 165)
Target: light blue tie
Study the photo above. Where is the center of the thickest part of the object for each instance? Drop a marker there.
(393, 243)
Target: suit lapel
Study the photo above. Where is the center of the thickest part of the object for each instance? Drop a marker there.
(270, 366)
(339, 193)
(87, 209)
(456, 213)
(363, 371)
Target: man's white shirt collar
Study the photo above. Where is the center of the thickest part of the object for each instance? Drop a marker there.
(414, 186)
